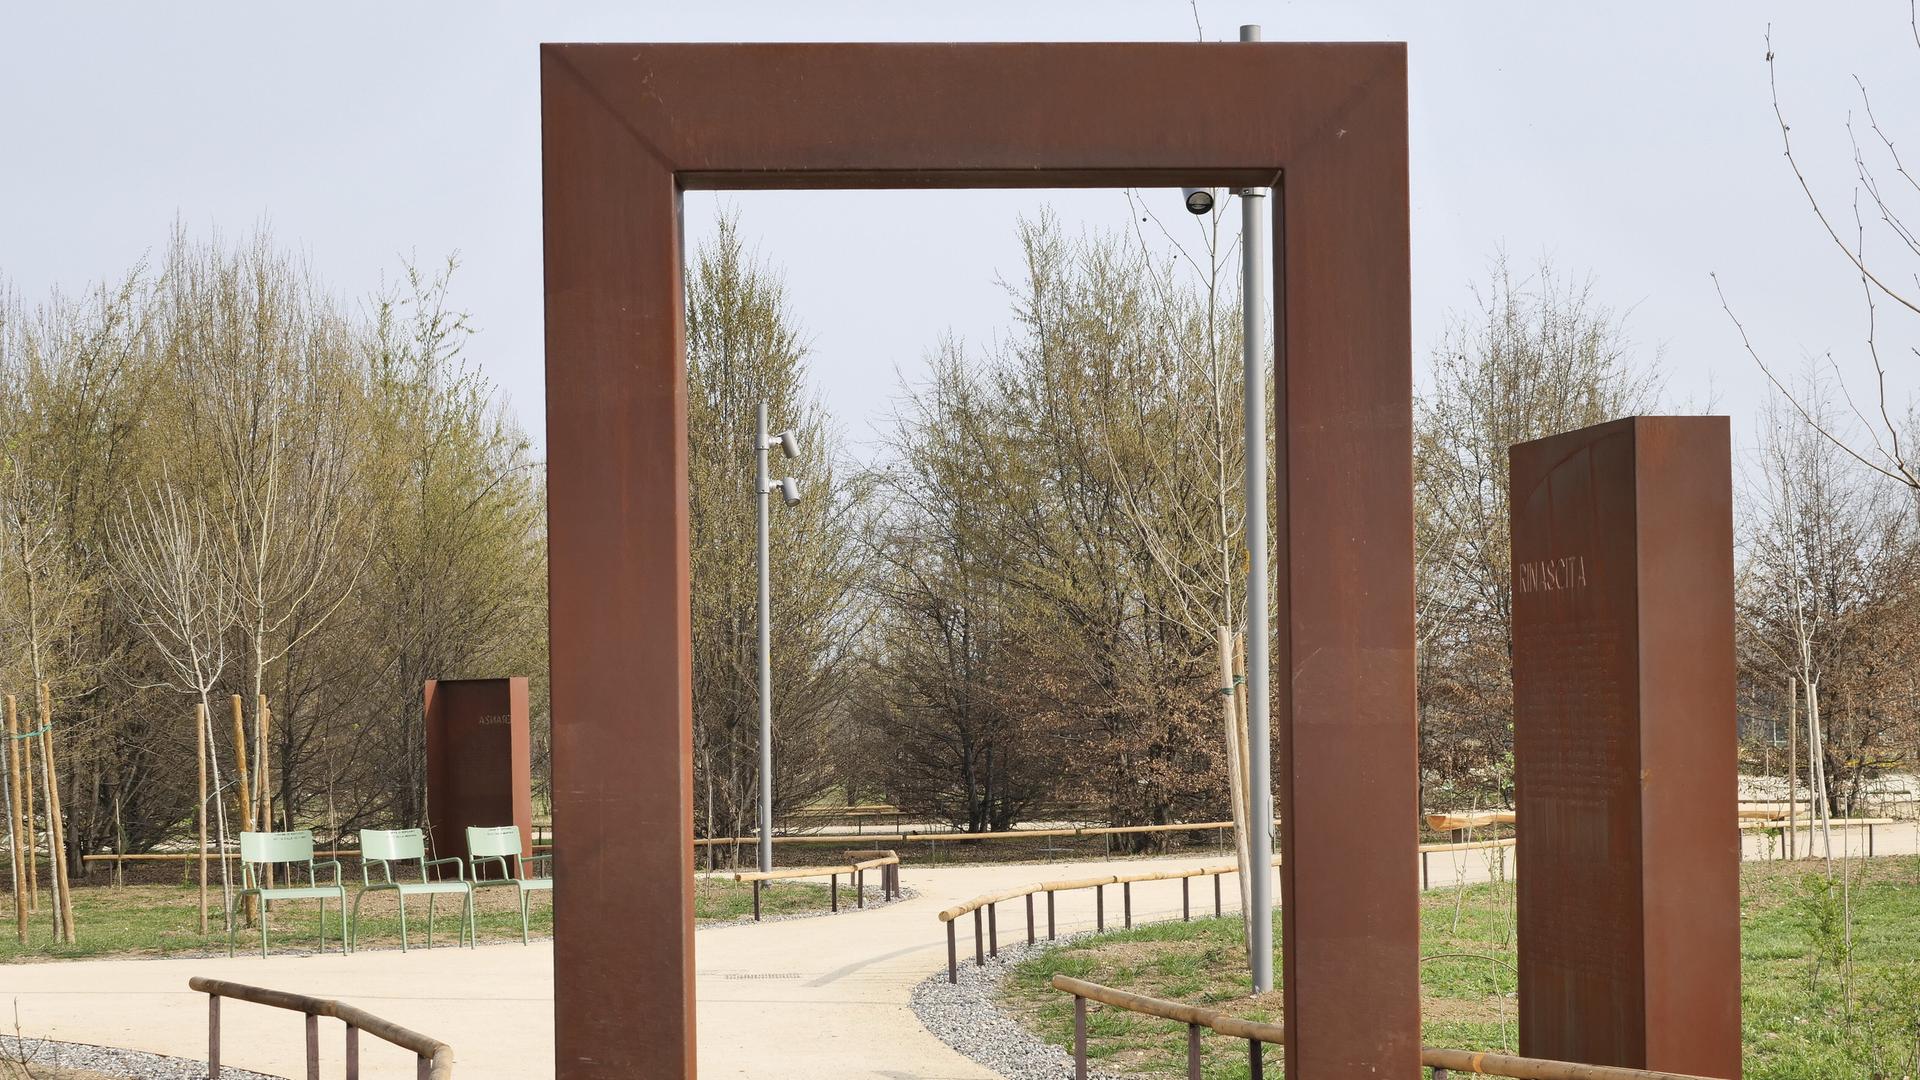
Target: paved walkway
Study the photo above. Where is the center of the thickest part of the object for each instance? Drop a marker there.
(807, 999)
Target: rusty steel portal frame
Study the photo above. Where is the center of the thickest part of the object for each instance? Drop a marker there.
(627, 128)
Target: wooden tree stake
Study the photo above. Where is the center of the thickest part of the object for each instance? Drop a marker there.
(200, 759)
(240, 758)
(22, 833)
(63, 896)
(262, 776)
(1793, 768)
(1230, 711)
(31, 842)
(245, 793)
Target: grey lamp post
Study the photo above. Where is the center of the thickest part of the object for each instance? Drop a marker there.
(1253, 336)
(789, 491)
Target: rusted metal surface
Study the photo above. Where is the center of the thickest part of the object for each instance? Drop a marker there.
(1624, 733)
(626, 127)
(479, 761)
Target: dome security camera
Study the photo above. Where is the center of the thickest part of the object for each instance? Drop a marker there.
(1199, 199)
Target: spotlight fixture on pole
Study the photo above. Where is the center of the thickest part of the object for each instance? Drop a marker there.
(789, 490)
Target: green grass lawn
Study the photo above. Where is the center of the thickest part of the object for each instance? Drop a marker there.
(1815, 1006)
(160, 920)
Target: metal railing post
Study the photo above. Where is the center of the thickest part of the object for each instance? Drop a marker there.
(213, 1037)
(1186, 901)
(1029, 918)
(1216, 896)
(833, 892)
(860, 888)
(756, 899)
(1426, 881)
(1256, 1061)
(424, 1070)
(1126, 902)
(1193, 1052)
(953, 954)
(1099, 908)
(353, 1052)
(1079, 1037)
(1049, 914)
(979, 946)
(313, 1046)
(993, 931)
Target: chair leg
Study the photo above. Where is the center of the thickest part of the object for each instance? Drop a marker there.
(323, 926)
(233, 928)
(524, 897)
(263, 928)
(430, 899)
(344, 949)
(353, 926)
(401, 899)
(472, 931)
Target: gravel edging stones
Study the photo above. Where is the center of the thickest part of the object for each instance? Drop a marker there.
(112, 1061)
(967, 1016)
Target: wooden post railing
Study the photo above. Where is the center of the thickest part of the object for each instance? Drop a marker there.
(887, 862)
(987, 942)
(434, 1058)
(1442, 1062)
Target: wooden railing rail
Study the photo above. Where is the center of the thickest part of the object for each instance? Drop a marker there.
(1257, 1035)
(887, 862)
(435, 1058)
(986, 940)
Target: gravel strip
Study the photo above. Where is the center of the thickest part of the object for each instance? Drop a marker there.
(111, 1061)
(967, 1016)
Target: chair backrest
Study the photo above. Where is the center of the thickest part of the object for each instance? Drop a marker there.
(393, 845)
(500, 842)
(274, 848)
(277, 847)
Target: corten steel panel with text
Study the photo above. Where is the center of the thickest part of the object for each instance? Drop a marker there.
(479, 767)
(627, 128)
(1628, 866)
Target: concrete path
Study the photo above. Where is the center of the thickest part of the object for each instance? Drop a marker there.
(807, 999)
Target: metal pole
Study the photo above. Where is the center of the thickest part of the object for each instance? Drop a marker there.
(766, 665)
(1253, 301)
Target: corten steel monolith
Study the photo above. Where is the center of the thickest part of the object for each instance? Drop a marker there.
(479, 761)
(1624, 743)
(626, 128)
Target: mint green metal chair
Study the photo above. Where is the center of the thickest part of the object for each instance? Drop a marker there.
(385, 847)
(268, 849)
(497, 845)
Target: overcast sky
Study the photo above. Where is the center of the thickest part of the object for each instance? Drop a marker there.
(1631, 140)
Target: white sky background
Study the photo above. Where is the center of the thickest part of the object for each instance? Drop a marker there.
(1630, 140)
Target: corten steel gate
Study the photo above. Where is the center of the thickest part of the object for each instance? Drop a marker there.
(627, 128)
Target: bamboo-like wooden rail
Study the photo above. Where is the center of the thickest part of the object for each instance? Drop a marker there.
(1442, 1062)
(986, 939)
(435, 1058)
(887, 862)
